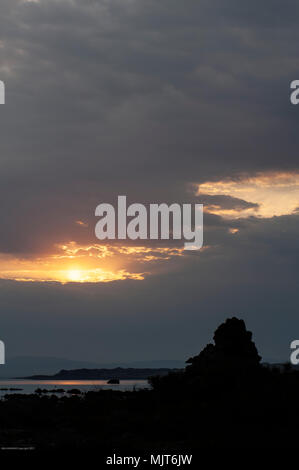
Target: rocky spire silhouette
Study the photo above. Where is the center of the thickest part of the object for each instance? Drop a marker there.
(233, 350)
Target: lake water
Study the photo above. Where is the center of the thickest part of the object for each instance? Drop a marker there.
(29, 386)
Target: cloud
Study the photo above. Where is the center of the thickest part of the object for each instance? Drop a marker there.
(87, 263)
(263, 195)
(146, 98)
(251, 275)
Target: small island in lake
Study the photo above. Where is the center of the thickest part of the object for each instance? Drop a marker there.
(113, 381)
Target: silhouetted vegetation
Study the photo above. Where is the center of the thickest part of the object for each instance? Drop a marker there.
(225, 398)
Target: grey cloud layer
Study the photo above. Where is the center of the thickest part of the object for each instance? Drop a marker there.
(169, 315)
(140, 98)
(143, 98)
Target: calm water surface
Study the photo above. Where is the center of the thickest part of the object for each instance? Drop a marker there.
(29, 386)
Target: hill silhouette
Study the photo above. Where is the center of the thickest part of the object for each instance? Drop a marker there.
(24, 366)
(101, 374)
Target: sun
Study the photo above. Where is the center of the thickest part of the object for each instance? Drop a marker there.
(74, 275)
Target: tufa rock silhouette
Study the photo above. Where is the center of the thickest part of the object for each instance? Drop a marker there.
(233, 359)
(233, 350)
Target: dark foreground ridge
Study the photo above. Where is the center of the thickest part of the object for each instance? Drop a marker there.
(102, 374)
(223, 399)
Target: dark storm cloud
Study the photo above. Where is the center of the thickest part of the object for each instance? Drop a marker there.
(227, 202)
(140, 98)
(145, 98)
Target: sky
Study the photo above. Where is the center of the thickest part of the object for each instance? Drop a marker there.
(161, 101)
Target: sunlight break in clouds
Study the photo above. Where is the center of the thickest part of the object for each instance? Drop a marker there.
(85, 263)
(276, 194)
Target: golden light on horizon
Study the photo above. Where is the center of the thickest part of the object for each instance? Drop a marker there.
(75, 275)
(274, 193)
(74, 263)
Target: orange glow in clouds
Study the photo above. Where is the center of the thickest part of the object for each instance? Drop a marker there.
(85, 263)
(275, 193)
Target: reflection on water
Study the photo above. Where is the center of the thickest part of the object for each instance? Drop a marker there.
(29, 386)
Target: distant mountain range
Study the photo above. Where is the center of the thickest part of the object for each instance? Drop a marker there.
(120, 373)
(22, 366)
